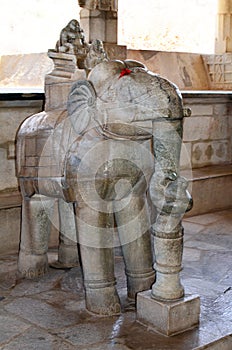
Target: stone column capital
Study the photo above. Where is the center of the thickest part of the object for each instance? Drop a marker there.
(102, 5)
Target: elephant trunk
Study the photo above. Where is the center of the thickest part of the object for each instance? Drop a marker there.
(168, 192)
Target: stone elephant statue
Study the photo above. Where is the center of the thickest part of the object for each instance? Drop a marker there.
(119, 137)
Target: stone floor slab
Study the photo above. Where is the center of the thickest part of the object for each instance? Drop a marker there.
(42, 314)
(10, 327)
(35, 339)
(50, 312)
(90, 333)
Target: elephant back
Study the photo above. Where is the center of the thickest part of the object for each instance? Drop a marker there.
(40, 141)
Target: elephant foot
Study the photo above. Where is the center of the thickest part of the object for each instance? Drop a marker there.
(32, 266)
(103, 301)
(67, 257)
(139, 282)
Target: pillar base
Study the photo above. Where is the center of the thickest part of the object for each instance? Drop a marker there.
(168, 317)
(32, 265)
(103, 301)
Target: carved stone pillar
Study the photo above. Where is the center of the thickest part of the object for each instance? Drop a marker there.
(223, 41)
(219, 65)
(99, 20)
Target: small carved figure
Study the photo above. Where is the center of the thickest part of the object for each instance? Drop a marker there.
(96, 54)
(72, 39)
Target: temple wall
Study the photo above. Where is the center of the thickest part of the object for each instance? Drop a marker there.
(207, 133)
(14, 108)
(186, 70)
(207, 146)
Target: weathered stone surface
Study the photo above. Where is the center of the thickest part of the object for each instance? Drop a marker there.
(73, 175)
(206, 128)
(189, 72)
(12, 114)
(201, 110)
(218, 70)
(199, 276)
(72, 280)
(89, 333)
(210, 187)
(9, 229)
(42, 314)
(10, 327)
(108, 346)
(169, 318)
(32, 287)
(210, 153)
(106, 5)
(21, 70)
(186, 156)
(37, 339)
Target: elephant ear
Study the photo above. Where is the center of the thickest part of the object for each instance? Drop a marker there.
(81, 105)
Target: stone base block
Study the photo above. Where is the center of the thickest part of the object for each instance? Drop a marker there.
(168, 317)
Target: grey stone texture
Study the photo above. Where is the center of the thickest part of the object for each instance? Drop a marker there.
(168, 318)
(96, 154)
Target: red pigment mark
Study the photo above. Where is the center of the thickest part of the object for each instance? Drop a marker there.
(125, 71)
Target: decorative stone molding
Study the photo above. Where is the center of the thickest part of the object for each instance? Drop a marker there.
(219, 70)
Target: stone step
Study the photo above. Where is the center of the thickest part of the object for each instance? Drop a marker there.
(211, 188)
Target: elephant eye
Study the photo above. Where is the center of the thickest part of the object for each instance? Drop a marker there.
(90, 101)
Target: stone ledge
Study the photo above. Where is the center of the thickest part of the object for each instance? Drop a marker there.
(14, 98)
(10, 199)
(208, 172)
(211, 188)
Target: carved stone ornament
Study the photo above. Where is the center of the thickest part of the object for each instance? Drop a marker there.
(72, 51)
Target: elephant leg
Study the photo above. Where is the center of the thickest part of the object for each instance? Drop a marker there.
(35, 231)
(133, 223)
(95, 234)
(67, 251)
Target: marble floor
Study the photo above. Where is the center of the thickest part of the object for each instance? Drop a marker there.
(49, 313)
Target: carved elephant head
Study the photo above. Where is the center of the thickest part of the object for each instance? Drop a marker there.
(122, 92)
(126, 101)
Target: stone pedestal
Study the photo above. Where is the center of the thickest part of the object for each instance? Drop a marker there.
(168, 317)
(58, 83)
